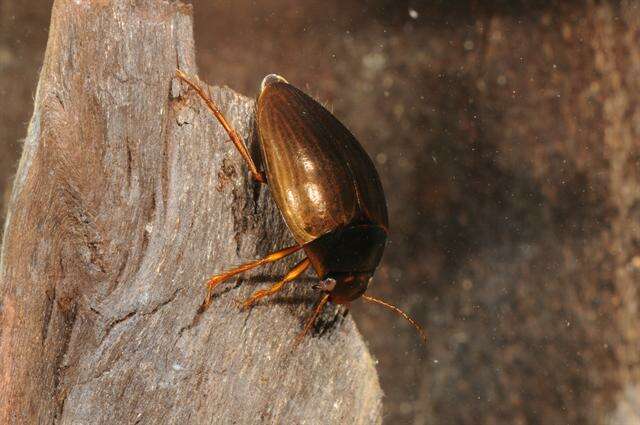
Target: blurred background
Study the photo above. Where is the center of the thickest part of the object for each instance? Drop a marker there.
(507, 137)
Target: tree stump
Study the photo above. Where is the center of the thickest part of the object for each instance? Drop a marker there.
(127, 198)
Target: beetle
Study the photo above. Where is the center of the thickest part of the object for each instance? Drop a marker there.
(327, 190)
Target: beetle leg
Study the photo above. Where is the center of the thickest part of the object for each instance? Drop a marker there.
(324, 298)
(293, 273)
(242, 148)
(219, 278)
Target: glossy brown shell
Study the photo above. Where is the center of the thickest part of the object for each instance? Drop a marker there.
(319, 175)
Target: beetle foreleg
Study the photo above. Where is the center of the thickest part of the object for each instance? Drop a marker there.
(324, 298)
(293, 274)
(219, 278)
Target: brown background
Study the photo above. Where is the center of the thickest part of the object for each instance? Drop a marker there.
(508, 142)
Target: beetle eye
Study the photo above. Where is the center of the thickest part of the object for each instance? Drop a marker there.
(326, 285)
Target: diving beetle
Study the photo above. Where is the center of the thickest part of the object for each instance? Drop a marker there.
(327, 190)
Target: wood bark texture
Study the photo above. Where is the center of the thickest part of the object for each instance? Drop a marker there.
(128, 196)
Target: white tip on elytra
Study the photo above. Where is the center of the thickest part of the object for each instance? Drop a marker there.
(271, 79)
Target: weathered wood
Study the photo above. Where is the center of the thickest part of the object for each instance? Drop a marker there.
(126, 199)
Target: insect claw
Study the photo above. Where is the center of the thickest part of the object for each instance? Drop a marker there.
(207, 300)
(242, 304)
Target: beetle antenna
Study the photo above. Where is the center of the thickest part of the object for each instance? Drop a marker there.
(312, 319)
(406, 317)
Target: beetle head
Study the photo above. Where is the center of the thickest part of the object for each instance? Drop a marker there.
(344, 287)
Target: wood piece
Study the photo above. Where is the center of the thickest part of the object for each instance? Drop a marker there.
(127, 198)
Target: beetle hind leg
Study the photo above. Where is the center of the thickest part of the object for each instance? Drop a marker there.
(293, 274)
(235, 138)
(219, 278)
